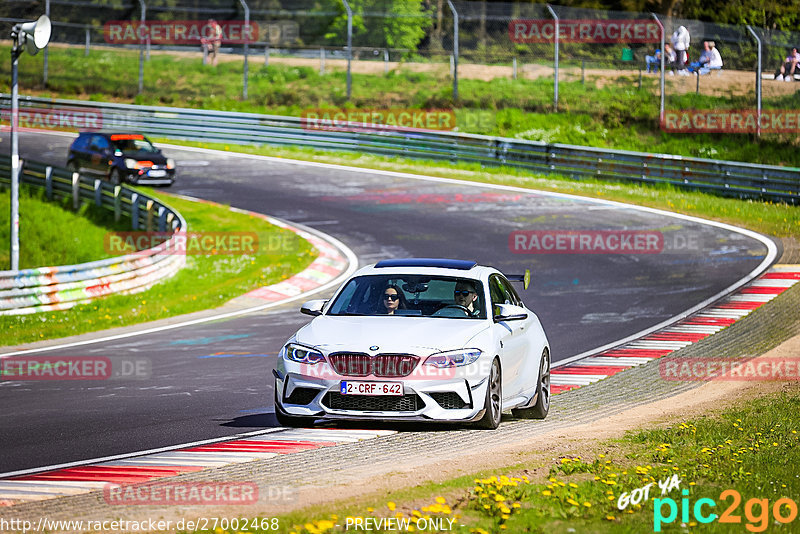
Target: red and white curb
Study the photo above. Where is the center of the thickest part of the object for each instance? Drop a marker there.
(81, 479)
(676, 336)
(329, 265)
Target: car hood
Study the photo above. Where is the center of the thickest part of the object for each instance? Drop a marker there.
(391, 334)
(156, 157)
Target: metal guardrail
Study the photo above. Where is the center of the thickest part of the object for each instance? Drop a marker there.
(62, 287)
(746, 180)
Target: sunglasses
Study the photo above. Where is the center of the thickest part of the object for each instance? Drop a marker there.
(462, 292)
(391, 297)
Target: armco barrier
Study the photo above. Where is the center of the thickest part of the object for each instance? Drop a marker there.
(745, 180)
(58, 288)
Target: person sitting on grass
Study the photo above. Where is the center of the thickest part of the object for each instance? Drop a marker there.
(787, 70)
(709, 60)
(653, 61)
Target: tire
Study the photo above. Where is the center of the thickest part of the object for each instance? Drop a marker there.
(115, 177)
(494, 399)
(542, 406)
(284, 419)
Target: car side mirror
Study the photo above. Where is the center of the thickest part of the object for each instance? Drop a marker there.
(313, 307)
(509, 312)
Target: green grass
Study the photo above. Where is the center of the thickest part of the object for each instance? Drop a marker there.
(71, 237)
(751, 449)
(207, 281)
(776, 219)
(618, 115)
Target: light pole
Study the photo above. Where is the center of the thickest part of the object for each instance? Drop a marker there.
(33, 36)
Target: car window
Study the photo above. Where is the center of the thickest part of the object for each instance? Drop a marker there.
(81, 143)
(501, 292)
(99, 143)
(514, 295)
(508, 291)
(420, 296)
(132, 143)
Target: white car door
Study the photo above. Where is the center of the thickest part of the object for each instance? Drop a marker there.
(514, 342)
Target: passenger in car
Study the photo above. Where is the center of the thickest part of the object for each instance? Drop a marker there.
(392, 299)
(465, 295)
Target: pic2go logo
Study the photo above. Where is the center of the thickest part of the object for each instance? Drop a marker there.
(756, 511)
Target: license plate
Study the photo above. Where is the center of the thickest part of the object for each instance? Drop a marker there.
(157, 173)
(371, 388)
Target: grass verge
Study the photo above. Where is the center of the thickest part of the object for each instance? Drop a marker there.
(207, 281)
(738, 459)
(72, 237)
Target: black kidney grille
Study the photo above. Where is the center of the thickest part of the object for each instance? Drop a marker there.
(351, 364)
(393, 365)
(368, 403)
(383, 365)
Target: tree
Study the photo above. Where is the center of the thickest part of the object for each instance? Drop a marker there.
(767, 14)
(382, 23)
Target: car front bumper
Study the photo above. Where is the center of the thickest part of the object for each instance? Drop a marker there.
(455, 398)
(152, 178)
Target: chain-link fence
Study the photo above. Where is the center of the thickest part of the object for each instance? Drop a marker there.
(556, 43)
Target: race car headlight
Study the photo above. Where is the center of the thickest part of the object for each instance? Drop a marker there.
(170, 163)
(301, 354)
(453, 358)
(131, 163)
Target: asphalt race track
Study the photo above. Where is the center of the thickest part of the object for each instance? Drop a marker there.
(215, 379)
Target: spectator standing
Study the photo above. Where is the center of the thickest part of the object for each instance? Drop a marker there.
(669, 58)
(680, 42)
(786, 71)
(213, 41)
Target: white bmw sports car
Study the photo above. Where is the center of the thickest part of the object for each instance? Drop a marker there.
(416, 339)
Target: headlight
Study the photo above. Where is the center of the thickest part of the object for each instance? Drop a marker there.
(453, 358)
(301, 354)
(131, 163)
(170, 163)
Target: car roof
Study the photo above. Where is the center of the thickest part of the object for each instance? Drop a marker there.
(429, 266)
(109, 133)
(463, 265)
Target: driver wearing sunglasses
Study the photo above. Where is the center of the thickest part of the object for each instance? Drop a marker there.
(465, 295)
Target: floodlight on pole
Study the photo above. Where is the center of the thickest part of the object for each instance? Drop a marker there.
(31, 36)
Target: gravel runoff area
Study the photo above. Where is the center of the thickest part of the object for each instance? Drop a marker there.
(409, 457)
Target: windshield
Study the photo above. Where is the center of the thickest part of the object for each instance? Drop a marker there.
(132, 143)
(411, 296)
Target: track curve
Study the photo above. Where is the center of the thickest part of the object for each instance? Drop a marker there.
(584, 301)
